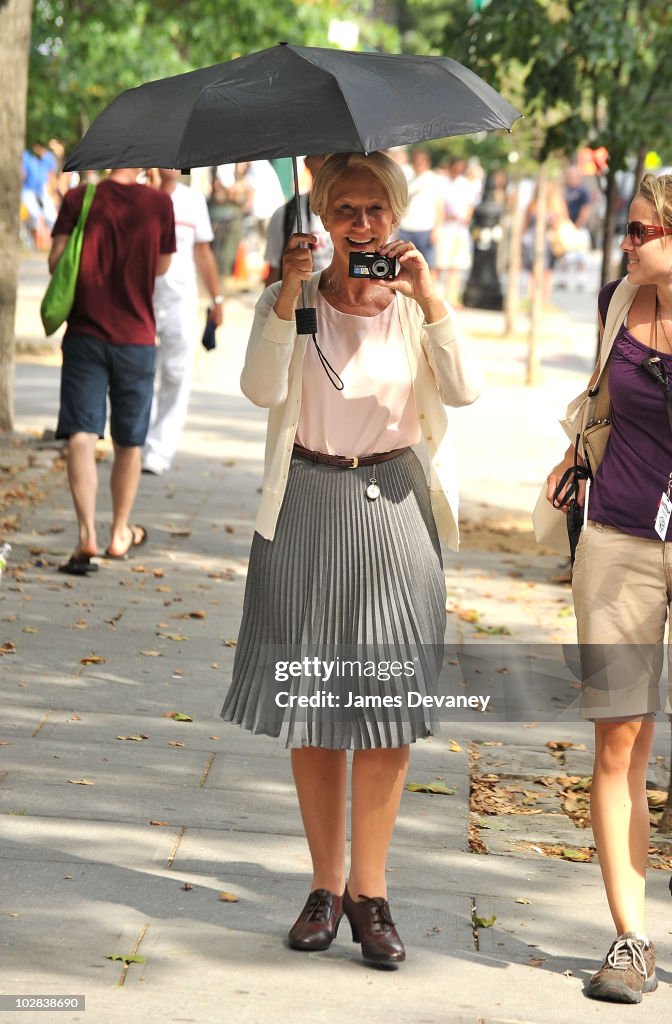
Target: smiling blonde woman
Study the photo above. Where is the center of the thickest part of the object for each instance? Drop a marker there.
(346, 565)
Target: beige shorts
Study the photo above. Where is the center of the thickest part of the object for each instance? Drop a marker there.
(622, 589)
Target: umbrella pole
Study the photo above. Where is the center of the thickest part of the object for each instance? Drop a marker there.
(306, 318)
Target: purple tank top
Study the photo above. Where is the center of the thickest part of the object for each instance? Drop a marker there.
(637, 461)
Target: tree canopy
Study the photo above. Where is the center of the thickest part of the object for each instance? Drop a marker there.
(85, 52)
(582, 72)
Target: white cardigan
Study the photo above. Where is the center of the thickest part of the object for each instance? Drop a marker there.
(443, 372)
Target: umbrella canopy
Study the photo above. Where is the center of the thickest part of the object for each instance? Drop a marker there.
(290, 100)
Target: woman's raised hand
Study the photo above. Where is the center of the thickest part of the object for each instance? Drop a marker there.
(414, 279)
(297, 266)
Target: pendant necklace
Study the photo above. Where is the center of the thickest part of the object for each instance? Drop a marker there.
(373, 490)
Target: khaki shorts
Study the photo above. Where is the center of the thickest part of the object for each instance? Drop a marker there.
(622, 589)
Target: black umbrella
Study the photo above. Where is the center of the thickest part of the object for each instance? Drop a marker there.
(287, 101)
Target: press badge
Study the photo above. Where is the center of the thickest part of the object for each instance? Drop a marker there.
(663, 516)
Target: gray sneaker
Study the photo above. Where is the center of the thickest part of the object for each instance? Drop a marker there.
(628, 971)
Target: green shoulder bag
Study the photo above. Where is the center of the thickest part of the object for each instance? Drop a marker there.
(60, 295)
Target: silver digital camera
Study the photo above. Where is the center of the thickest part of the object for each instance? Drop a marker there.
(372, 265)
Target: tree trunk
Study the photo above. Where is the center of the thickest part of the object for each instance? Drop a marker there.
(639, 174)
(538, 265)
(511, 299)
(609, 227)
(15, 19)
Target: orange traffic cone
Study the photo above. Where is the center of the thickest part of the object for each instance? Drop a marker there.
(240, 270)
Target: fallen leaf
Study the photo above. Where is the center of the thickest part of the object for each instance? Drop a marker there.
(164, 590)
(180, 533)
(159, 573)
(482, 922)
(92, 659)
(227, 897)
(430, 787)
(8, 647)
(138, 568)
(523, 900)
(177, 716)
(125, 959)
(187, 886)
(173, 636)
(175, 743)
(537, 961)
(230, 643)
(30, 629)
(142, 736)
(161, 824)
(468, 615)
(494, 630)
(576, 855)
(454, 746)
(151, 654)
(81, 782)
(229, 528)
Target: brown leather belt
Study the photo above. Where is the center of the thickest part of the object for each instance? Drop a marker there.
(343, 462)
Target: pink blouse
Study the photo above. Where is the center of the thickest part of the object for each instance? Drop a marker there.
(375, 412)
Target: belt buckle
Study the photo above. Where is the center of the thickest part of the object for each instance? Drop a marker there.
(354, 463)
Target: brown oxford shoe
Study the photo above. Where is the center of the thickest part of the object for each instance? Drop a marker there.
(372, 925)
(316, 926)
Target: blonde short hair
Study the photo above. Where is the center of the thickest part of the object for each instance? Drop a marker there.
(658, 191)
(385, 170)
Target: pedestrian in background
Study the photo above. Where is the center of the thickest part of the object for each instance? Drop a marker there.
(453, 248)
(345, 560)
(109, 349)
(577, 242)
(177, 326)
(419, 223)
(556, 216)
(622, 585)
(283, 225)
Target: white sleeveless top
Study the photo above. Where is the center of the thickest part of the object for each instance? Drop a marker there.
(375, 411)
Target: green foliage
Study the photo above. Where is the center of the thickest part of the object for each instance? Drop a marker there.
(85, 52)
(581, 71)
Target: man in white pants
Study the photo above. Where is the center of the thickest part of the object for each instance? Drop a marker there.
(177, 326)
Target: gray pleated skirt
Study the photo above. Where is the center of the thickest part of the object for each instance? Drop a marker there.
(344, 612)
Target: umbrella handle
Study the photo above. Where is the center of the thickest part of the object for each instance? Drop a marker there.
(306, 318)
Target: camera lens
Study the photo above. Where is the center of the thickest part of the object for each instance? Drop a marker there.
(380, 267)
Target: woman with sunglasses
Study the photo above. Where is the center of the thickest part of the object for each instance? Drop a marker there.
(622, 583)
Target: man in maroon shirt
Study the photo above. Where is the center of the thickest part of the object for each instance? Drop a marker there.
(109, 348)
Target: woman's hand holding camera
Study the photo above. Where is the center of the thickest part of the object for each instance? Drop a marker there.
(414, 279)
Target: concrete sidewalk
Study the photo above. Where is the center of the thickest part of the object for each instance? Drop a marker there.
(122, 827)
